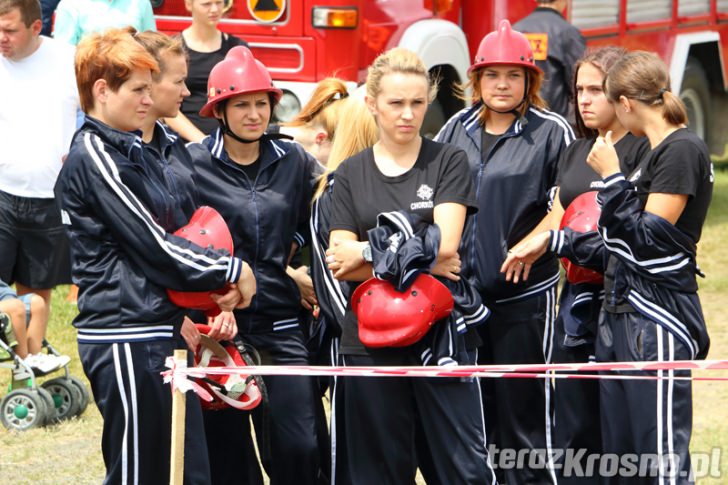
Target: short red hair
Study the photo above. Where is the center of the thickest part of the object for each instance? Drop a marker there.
(112, 56)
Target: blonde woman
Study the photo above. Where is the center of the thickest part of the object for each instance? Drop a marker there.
(381, 415)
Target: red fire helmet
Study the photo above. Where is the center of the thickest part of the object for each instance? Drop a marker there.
(206, 228)
(582, 215)
(234, 390)
(389, 318)
(504, 46)
(239, 73)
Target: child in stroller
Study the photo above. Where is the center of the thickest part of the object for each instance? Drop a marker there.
(29, 317)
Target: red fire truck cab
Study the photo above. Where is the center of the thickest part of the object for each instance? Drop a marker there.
(304, 41)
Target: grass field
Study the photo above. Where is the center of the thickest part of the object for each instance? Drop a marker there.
(69, 453)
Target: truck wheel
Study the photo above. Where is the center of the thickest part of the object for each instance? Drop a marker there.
(695, 93)
(434, 119)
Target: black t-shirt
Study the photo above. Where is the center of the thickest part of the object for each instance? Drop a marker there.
(575, 176)
(199, 66)
(680, 164)
(441, 174)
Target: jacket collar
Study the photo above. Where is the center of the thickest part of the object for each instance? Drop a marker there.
(165, 136)
(271, 150)
(127, 142)
(471, 122)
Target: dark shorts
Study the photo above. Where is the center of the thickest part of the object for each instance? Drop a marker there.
(34, 249)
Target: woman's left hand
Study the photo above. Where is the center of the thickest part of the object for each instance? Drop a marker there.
(223, 326)
(345, 256)
(603, 157)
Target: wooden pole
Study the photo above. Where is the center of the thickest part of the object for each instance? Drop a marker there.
(177, 458)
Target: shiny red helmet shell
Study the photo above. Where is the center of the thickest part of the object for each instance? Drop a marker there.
(239, 73)
(208, 229)
(389, 318)
(505, 46)
(241, 392)
(582, 215)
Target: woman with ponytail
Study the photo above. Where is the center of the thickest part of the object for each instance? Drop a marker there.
(650, 224)
(315, 125)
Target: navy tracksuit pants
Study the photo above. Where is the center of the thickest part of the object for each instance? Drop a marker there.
(381, 419)
(137, 410)
(285, 427)
(649, 419)
(576, 411)
(519, 412)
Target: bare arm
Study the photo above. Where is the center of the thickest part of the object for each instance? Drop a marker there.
(344, 257)
(450, 218)
(667, 206)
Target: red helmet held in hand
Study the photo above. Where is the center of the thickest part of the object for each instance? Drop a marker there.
(234, 390)
(389, 318)
(505, 46)
(206, 228)
(582, 215)
(239, 73)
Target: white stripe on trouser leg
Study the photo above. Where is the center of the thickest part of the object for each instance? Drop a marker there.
(134, 410)
(670, 389)
(548, 337)
(332, 424)
(493, 480)
(660, 374)
(122, 396)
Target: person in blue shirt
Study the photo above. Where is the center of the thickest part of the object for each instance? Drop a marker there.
(76, 18)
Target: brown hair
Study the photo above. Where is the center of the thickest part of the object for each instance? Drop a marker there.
(112, 56)
(158, 44)
(397, 60)
(642, 76)
(29, 9)
(357, 131)
(534, 78)
(603, 59)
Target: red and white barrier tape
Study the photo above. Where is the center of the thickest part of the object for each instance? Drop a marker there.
(538, 371)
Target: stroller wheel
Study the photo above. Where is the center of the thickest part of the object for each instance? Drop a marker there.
(66, 397)
(84, 394)
(23, 409)
(51, 417)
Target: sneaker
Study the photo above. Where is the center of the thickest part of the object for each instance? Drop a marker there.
(46, 363)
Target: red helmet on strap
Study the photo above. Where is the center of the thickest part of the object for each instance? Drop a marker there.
(582, 215)
(234, 390)
(206, 228)
(238, 73)
(389, 318)
(505, 46)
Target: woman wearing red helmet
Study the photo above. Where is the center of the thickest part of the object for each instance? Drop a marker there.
(513, 145)
(120, 212)
(402, 177)
(262, 185)
(577, 401)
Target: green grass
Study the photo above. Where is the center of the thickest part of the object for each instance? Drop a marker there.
(70, 452)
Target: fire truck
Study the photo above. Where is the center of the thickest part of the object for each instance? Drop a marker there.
(304, 41)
